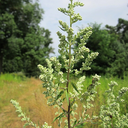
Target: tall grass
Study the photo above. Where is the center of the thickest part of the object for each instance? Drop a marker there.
(13, 77)
(28, 93)
(8, 87)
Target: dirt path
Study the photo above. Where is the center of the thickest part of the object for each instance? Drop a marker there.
(33, 104)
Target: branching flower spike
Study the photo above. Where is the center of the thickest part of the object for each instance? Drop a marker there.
(54, 92)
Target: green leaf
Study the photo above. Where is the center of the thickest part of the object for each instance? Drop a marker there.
(27, 124)
(72, 103)
(73, 85)
(67, 97)
(62, 29)
(75, 122)
(59, 95)
(60, 116)
(63, 99)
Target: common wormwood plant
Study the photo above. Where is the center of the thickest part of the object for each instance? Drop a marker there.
(61, 91)
(57, 94)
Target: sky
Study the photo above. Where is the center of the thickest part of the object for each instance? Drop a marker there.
(99, 11)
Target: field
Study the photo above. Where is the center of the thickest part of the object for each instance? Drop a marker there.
(28, 92)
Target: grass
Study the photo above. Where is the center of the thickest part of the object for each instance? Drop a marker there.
(28, 92)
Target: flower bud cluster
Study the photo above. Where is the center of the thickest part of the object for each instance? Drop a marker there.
(81, 49)
(89, 60)
(85, 37)
(45, 125)
(52, 89)
(56, 64)
(112, 84)
(65, 27)
(76, 18)
(46, 73)
(63, 44)
(123, 91)
(87, 30)
(96, 78)
(63, 10)
(87, 63)
(66, 65)
(70, 11)
(77, 4)
(70, 34)
(80, 53)
(77, 94)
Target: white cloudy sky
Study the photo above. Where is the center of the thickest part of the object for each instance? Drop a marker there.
(100, 11)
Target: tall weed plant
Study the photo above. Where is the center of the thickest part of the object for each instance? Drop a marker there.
(67, 100)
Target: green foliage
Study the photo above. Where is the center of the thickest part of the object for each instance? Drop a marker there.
(119, 61)
(118, 64)
(23, 44)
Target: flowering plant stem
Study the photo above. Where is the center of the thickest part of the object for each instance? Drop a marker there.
(70, 58)
(68, 74)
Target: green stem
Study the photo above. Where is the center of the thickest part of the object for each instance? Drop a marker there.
(69, 114)
(69, 54)
(68, 84)
(68, 73)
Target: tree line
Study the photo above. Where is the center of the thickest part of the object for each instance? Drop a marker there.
(23, 43)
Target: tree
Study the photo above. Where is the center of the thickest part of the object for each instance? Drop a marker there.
(21, 37)
(37, 51)
(119, 65)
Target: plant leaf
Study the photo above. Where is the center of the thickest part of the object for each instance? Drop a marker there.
(59, 95)
(73, 85)
(75, 122)
(60, 116)
(67, 97)
(25, 125)
(72, 103)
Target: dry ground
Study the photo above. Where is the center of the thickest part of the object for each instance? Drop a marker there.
(33, 102)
